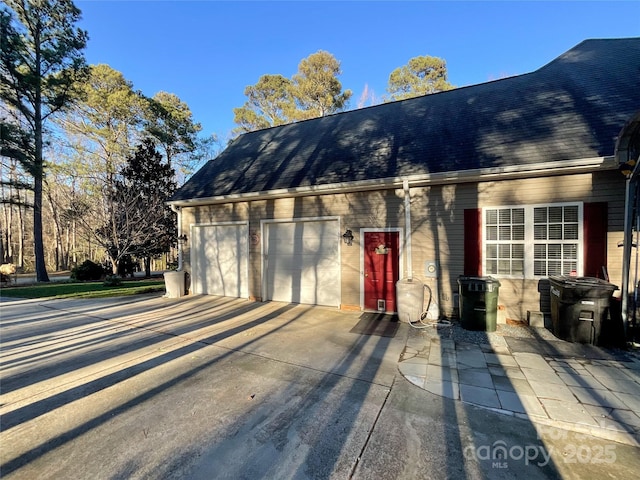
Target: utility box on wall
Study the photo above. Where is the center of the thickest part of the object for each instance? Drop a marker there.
(431, 269)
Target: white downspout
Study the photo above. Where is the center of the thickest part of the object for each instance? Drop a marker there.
(626, 254)
(178, 211)
(407, 229)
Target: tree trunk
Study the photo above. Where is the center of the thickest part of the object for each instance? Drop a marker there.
(38, 168)
(38, 245)
(147, 267)
(8, 216)
(2, 244)
(57, 237)
(57, 232)
(21, 215)
(6, 254)
(67, 243)
(114, 264)
(74, 257)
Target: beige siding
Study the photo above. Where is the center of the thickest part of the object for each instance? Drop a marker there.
(447, 205)
(437, 229)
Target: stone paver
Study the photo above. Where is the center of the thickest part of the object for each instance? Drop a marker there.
(517, 385)
(593, 396)
(567, 412)
(436, 372)
(500, 359)
(509, 372)
(625, 416)
(538, 375)
(479, 396)
(443, 358)
(606, 371)
(554, 391)
(532, 360)
(415, 369)
(471, 358)
(632, 402)
(599, 397)
(511, 401)
(620, 385)
(443, 388)
(476, 377)
(576, 379)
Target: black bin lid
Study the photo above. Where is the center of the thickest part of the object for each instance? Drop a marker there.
(583, 286)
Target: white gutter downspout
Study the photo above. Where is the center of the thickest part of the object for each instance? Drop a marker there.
(407, 227)
(178, 211)
(626, 254)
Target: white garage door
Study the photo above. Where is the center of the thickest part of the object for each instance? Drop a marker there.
(302, 262)
(219, 260)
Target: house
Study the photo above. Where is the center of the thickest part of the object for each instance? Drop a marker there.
(515, 178)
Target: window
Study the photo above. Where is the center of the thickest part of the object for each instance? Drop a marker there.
(555, 233)
(532, 241)
(504, 236)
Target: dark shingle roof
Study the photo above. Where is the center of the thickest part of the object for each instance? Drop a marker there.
(572, 108)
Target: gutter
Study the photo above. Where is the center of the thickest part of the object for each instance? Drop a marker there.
(564, 167)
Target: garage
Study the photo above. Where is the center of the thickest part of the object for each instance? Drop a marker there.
(301, 262)
(220, 265)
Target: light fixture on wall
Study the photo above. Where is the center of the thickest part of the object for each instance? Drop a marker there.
(348, 237)
(627, 167)
(182, 239)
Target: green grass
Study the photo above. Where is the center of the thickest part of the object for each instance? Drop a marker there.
(82, 289)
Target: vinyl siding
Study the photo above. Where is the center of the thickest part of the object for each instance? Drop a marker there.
(437, 228)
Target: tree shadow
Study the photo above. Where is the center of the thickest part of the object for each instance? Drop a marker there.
(347, 382)
(181, 327)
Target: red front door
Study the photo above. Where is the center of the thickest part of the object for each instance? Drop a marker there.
(381, 270)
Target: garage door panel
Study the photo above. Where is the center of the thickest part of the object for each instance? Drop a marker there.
(307, 245)
(293, 292)
(302, 262)
(220, 260)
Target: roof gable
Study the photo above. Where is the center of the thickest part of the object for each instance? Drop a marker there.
(572, 108)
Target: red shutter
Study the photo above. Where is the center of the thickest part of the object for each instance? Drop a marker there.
(595, 221)
(473, 242)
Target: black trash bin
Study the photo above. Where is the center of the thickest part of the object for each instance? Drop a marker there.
(478, 303)
(579, 307)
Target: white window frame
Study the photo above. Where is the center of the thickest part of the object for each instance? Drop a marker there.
(529, 240)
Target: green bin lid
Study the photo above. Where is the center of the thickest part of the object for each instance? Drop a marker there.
(470, 279)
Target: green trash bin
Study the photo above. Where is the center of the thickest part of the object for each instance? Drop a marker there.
(478, 303)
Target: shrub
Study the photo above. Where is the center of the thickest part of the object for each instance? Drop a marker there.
(87, 271)
(127, 266)
(112, 281)
(172, 265)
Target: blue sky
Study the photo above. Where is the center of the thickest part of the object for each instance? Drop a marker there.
(207, 52)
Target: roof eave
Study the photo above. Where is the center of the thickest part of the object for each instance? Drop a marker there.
(512, 172)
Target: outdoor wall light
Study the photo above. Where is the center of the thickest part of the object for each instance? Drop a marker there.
(182, 239)
(627, 167)
(348, 237)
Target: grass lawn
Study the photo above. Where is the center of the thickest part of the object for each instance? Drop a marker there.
(82, 289)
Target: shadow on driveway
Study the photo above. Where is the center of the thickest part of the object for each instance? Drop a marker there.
(59, 369)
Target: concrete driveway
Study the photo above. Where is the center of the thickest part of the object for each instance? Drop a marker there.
(210, 387)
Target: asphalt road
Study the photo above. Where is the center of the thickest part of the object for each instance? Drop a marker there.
(210, 387)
